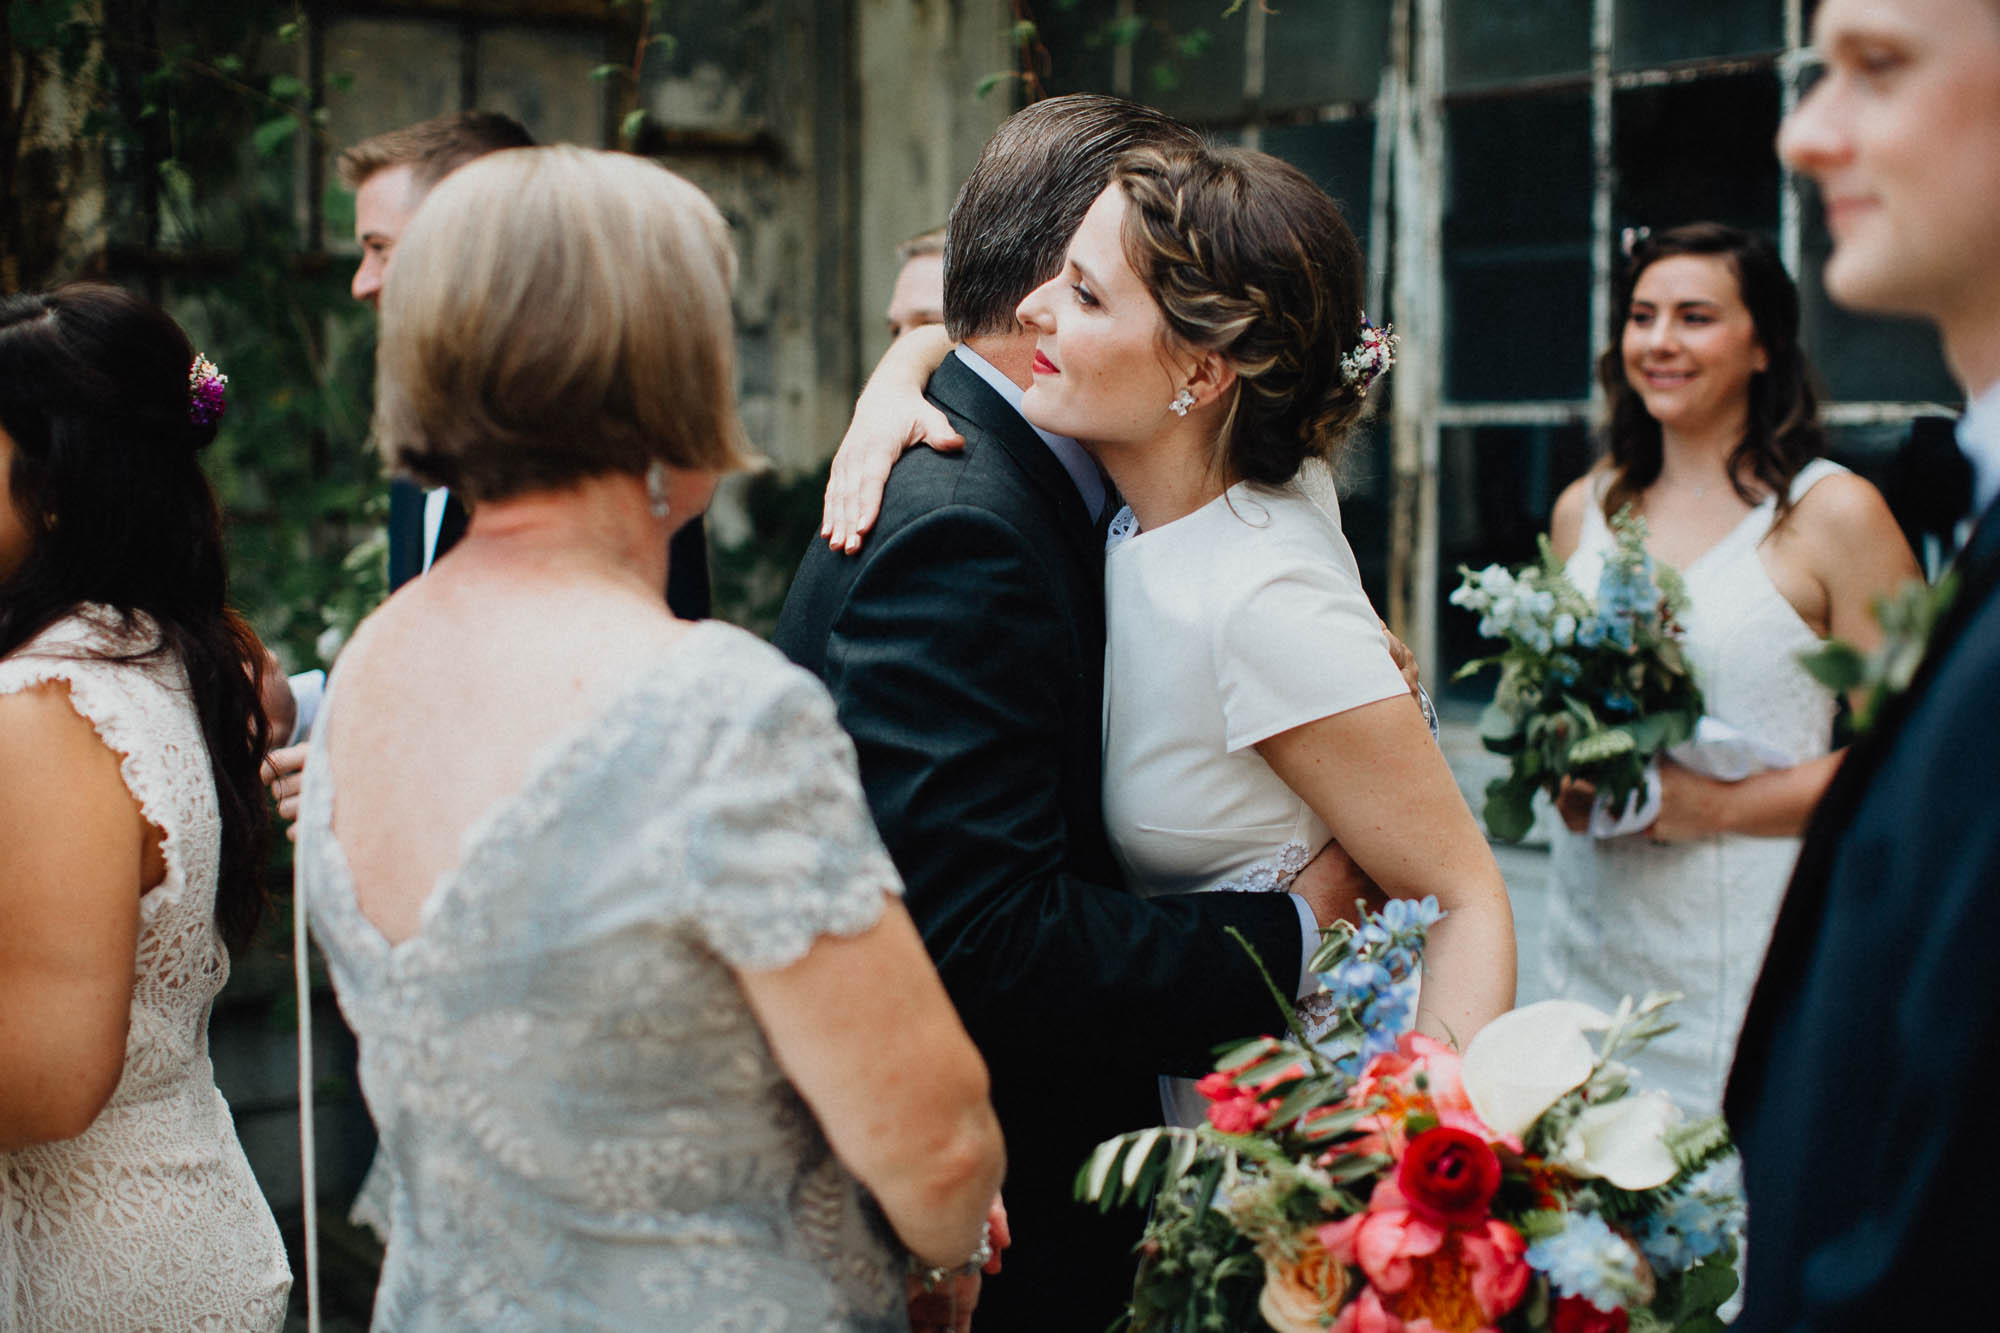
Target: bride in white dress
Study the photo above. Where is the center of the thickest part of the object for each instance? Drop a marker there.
(1204, 340)
(132, 832)
(1713, 440)
(1253, 716)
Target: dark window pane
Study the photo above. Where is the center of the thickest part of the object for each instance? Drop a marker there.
(1647, 32)
(1188, 60)
(1324, 53)
(1517, 250)
(1339, 156)
(1496, 487)
(1078, 40)
(1365, 482)
(1864, 358)
(1487, 42)
(1698, 151)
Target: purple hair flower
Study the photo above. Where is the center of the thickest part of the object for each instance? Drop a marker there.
(206, 398)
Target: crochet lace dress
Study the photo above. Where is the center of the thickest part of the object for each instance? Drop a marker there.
(149, 1221)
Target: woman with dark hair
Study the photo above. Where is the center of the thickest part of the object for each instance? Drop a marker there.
(1714, 440)
(132, 833)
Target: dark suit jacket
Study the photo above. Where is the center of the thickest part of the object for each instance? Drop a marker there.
(687, 568)
(964, 647)
(1860, 1091)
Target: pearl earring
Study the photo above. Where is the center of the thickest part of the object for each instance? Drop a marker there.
(656, 489)
(1182, 402)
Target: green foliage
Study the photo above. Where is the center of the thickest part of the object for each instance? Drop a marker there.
(1908, 616)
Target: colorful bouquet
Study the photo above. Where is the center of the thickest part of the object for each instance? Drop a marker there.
(1586, 690)
(1390, 1185)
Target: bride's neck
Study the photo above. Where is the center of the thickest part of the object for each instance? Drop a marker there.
(1164, 479)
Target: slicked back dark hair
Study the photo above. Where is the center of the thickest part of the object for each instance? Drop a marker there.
(1035, 179)
(94, 392)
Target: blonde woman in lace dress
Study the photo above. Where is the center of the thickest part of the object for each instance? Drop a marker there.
(650, 1039)
(1714, 441)
(131, 838)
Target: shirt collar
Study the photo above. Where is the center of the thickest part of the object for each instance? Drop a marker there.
(1979, 438)
(1082, 468)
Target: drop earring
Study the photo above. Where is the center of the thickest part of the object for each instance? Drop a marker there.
(656, 489)
(1182, 402)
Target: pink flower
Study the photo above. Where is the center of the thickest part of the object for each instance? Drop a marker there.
(1364, 1314)
(1241, 1114)
(1497, 1256)
(1384, 1239)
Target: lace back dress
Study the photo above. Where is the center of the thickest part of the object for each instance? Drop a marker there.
(150, 1220)
(583, 1126)
(1628, 915)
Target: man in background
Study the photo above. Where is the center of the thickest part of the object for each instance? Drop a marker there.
(1859, 1095)
(918, 296)
(391, 174)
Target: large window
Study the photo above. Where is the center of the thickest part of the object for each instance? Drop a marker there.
(1492, 156)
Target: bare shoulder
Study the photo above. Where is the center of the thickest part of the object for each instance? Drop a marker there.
(42, 732)
(1566, 519)
(1843, 520)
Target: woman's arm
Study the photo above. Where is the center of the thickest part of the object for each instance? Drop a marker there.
(1842, 538)
(863, 1028)
(1381, 784)
(75, 856)
(891, 415)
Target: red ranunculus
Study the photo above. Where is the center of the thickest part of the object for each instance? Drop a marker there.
(1574, 1314)
(1239, 1115)
(1449, 1176)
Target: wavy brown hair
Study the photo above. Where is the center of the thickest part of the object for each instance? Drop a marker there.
(94, 392)
(1246, 257)
(1782, 433)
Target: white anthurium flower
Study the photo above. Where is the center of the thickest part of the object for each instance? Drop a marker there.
(1521, 1062)
(1624, 1141)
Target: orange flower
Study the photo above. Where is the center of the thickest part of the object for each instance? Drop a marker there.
(1299, 1293)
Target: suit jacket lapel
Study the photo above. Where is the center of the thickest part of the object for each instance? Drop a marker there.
(957, 388)
(1977, 569)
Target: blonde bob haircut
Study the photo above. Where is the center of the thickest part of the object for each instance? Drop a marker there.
(554, 314)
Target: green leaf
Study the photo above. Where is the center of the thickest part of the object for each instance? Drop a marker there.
(608, 70)
(1836, 664)
(290, 32)
(286, 87)
(1193, 44)
(989, 82)
(273, 136)
(1024, 32)
(635, 120)
(1510, 809)
(1124, 31)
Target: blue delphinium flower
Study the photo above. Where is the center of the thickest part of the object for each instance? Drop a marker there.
(1703, 1217)
(1590, 632)
(1588, 1259)
(1620, 702)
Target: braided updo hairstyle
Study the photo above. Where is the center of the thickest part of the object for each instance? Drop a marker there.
(1247, 258)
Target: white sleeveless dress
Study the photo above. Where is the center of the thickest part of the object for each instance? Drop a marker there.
(1224, 628)
(1627, 915)
(150, 1220)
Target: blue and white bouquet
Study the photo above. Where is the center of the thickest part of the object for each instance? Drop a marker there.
(1588, 689)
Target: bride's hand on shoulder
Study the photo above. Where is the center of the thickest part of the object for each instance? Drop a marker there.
(891, 415)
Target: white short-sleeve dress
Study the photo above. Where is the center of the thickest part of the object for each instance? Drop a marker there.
(1226, 627)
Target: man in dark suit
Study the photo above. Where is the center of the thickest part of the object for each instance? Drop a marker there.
(1860, 1095)
(964, 646)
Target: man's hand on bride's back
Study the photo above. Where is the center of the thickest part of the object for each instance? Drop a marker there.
(1330, 884)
